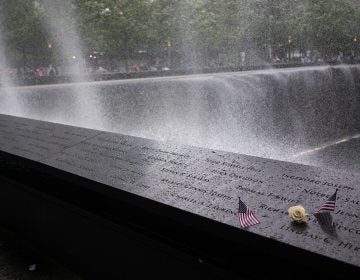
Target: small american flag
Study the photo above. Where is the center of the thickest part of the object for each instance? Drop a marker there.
(246, 216)
(325, 221)
(329, 205)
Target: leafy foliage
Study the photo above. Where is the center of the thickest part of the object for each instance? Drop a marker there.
(199, 31)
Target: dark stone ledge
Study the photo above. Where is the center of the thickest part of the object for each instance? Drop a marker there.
(112, 228)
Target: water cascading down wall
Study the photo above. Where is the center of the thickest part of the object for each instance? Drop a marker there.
(268, 113)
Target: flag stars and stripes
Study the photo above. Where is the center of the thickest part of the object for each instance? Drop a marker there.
(246, 216)
(329, 205)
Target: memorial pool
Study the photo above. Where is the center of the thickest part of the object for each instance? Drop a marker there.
(133, 163)
(305, 115)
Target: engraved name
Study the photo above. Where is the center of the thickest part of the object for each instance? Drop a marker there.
(317, 182)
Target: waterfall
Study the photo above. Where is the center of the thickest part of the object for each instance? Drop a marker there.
(276, 113)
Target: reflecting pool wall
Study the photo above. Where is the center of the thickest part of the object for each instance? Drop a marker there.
(296, 115)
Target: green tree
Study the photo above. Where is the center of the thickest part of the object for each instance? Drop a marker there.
(332, 25)
(161, 41)
(119, 27)
(23, 32)
(204, 32)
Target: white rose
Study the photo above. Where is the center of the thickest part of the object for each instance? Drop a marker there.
(298, 214)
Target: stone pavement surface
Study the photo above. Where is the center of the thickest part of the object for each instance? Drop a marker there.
(17, 261)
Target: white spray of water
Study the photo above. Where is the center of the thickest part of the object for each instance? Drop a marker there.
(62, 24)
(8, 100)
(269, 113)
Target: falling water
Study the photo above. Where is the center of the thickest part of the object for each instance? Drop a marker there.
(8, 100)
(281, 114)
(62, 24)
(187, 35)
(5, 79)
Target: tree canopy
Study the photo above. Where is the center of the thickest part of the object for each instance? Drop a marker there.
(201, 31)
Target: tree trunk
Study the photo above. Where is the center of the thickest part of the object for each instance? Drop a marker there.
(126, 54)
(24, 57)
